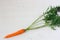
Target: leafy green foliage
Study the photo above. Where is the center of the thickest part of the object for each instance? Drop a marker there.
(52, 18)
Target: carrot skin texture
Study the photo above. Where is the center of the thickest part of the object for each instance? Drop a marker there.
(15, 33)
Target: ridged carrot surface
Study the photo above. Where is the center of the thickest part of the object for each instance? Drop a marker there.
(15, 33)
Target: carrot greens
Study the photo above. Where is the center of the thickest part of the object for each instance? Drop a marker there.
(51, 18)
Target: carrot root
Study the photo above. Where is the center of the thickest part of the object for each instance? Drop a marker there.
(15, 33)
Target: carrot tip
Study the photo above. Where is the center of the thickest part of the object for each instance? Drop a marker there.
(7, 37)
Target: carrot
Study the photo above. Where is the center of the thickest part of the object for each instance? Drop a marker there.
(15, 33)
(51, 18)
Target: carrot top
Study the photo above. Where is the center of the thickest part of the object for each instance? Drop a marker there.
(51, 18)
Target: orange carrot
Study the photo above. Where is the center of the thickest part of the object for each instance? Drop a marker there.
(15, 33)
